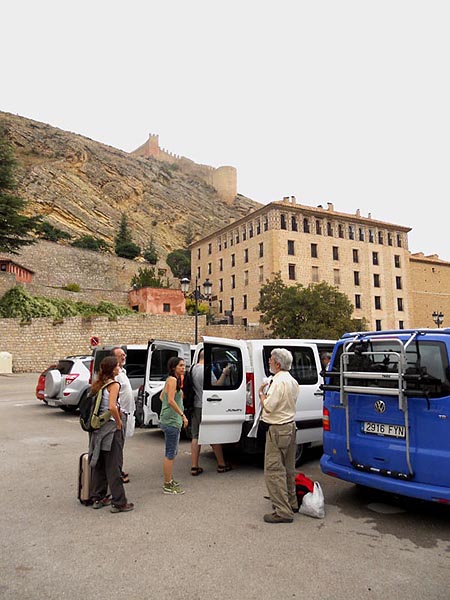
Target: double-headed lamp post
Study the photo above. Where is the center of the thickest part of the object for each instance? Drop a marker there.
(438, 318)
(196, 295)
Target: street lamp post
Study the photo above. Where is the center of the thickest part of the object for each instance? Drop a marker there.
(196, 295)
(438, 318)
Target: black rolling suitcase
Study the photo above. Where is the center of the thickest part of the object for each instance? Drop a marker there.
(84, 480)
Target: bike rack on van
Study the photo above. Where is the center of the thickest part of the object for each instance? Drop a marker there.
(346, 388)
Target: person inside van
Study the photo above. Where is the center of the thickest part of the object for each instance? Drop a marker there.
(278, 418)
(171, 420)
(325, 358)
(196, 417)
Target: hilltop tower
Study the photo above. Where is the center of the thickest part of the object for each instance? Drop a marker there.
(224, 178)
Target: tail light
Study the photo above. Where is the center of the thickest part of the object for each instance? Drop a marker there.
(326, 419)
(71, 378)
(91, 370)
(249, 394)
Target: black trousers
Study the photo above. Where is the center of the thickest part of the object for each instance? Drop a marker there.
(107, 472)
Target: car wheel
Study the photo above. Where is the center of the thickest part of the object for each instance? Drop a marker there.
(299, 454)
(52, 383)
(69, 408)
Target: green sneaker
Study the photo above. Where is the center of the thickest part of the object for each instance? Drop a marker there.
(170, 488)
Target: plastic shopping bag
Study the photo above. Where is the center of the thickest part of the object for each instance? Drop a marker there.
(313, 504)
(131, 422)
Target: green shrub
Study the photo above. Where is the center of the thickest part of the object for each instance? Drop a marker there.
(18, 303)
(89, 242)
(45, 231)
(72, 287)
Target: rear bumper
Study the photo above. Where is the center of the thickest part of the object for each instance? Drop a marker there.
(395, 486)
(64, 401)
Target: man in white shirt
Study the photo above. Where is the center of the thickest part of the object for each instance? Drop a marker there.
(126, 399)
(278, 416)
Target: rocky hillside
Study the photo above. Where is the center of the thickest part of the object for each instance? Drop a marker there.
(82, 187)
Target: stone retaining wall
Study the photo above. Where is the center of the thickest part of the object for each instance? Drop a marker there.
(38, 343)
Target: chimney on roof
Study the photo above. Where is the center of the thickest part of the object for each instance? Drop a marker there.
(369, 216)
(358, 212)
(293, 200)
(330, 206)
(285, 198)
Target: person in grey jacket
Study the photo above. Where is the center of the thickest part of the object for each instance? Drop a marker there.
(105, 444)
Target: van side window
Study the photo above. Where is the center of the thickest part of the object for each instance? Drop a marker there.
(216, 359)
(304, 368)
(158, 367)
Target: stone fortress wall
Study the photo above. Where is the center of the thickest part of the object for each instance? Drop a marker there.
(224, 178)
(100, 275)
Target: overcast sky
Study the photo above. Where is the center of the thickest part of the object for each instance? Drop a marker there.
(342, 101)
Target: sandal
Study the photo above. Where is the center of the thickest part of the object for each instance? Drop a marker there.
(196, 471)
(125, 479)
(224, 468)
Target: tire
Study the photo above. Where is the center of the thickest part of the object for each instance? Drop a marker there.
(52, 383)
(69, 408)
(299, 454)
(139, 412)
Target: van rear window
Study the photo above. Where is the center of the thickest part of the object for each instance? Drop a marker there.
(426, 368)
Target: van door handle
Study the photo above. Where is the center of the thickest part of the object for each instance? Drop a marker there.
(214, 399)
(320, 393)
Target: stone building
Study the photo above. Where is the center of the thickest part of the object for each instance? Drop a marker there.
(429, 290)
(367, 260)
(21, 274)
(157, 301)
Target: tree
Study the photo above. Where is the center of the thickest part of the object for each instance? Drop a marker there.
(89, 242)
(189, 235)
(125, 247)
(46, 231)
(14, 226)
(147, 277)
(150, 253)
(179, 262)
(316, 311)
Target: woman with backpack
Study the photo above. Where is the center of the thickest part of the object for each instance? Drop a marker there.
(106, 443)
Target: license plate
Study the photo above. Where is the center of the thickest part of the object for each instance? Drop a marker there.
(384, 429)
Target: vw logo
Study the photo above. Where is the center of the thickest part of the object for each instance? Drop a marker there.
(380, 406)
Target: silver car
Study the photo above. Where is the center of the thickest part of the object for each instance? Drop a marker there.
(66, 384)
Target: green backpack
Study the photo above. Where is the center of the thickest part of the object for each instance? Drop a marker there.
(89, 408)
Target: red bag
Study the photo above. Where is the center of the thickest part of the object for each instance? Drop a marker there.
(303, 485)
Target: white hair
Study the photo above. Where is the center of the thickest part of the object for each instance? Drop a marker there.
(283, 357)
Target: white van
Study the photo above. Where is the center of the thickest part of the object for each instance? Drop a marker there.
(229, 409)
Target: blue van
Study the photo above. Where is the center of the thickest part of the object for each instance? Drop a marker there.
(386, 412)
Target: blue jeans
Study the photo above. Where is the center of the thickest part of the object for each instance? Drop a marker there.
(172, 437)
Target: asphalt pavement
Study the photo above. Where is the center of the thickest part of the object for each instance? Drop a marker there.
(209, 543)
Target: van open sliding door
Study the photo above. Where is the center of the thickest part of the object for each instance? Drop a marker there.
(224, 394)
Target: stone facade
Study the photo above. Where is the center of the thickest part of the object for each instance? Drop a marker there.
(224, 178)
(429, 289)
(367, 260)
(157, 301)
